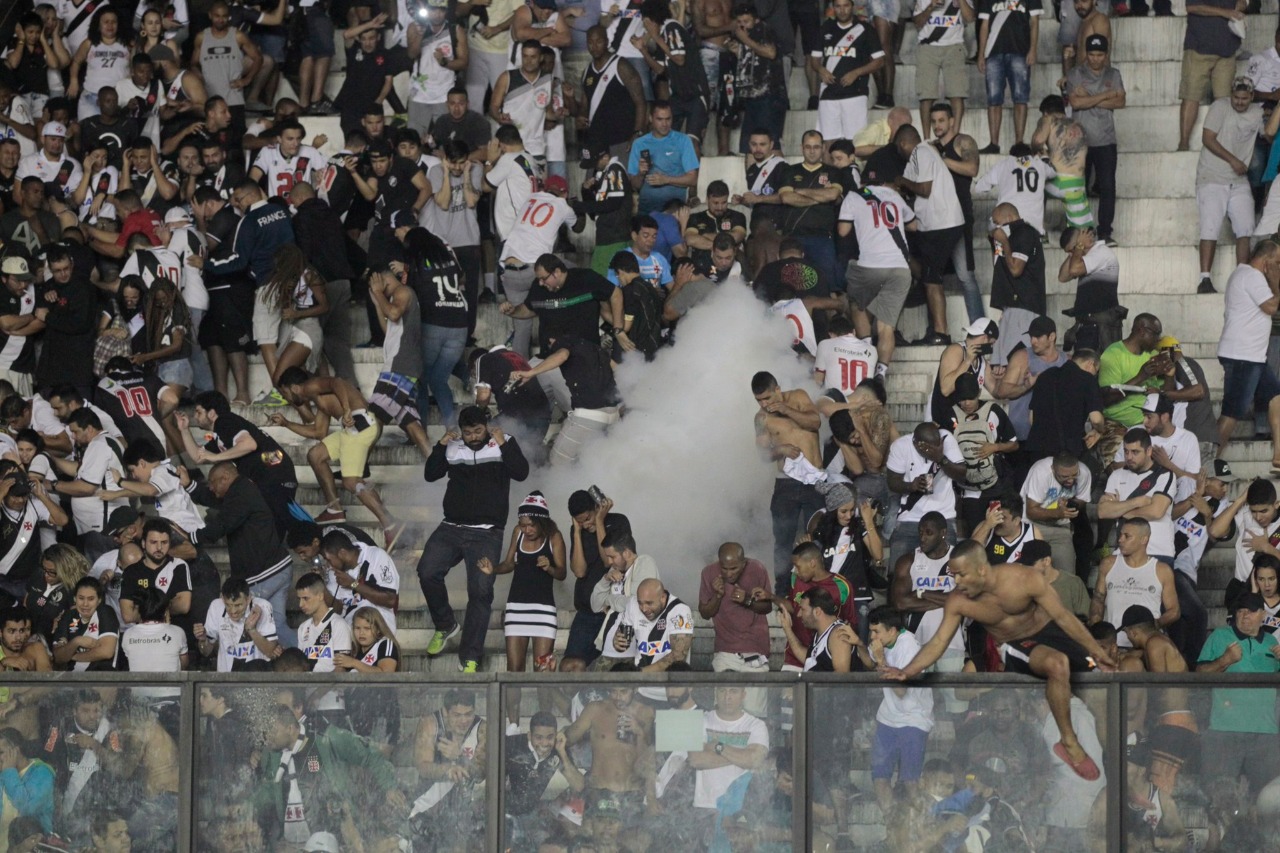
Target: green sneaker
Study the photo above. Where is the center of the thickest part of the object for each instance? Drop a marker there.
(469, 667)
(440, 638)
(271, 398)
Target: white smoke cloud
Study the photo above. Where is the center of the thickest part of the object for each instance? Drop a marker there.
(682, 464)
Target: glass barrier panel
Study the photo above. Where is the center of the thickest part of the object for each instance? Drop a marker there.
(906, 768)
(89, 766)
(376, 768)
(1202, 768)
(675, 767)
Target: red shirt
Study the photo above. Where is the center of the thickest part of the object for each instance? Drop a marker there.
(840, 591)
(738, 629)
(144, 221)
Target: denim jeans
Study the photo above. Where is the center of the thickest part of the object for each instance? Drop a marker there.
(821, 252)
(275, 589)
(1101, 164)
(962, 260)
(449, 545)
(199, 361)
(441, 349)
(792, 505)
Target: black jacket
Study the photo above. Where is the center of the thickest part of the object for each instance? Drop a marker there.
(254, 547)
(320, 236)
(479, 490)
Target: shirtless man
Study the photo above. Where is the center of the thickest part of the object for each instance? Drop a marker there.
(19, 651)
(713, 25)
(787, 429)
(1062, 141)
(1156, 652)
(319, 399)
(449, 752)
(1089, 20)
(1020, 610)
(622, 762)
(863, 435)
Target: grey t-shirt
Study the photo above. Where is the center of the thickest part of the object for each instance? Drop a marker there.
(691, 294)
(458, 225)
(1236, 132)
(1099, 123)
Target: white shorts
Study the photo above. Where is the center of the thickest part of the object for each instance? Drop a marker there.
(266, 320)
(1235, 201)
(842, 119)
(1269, 222)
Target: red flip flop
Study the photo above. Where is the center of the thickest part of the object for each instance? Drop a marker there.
(1084, 768)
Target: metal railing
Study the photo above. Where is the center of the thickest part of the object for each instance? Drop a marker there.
(820, 751)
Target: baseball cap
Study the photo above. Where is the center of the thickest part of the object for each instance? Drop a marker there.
(1034, 551)
(120, 518)
(322, 842)
(1222, 471)
(176, 214)
(556, 183)
(983, 326)
(1167, 342)
(1158, 403)
(1242, 82)
(379, 148)
(53, 128)
(1042, 326)
(1249, 601)
(16, 267)
(1096, 43)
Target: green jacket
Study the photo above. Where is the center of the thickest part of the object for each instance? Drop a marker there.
(338, 750)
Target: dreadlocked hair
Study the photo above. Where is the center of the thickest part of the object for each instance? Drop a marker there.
(177, 312)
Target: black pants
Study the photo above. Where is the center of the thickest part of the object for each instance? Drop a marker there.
(1189, 632)
(1100, 167)
(470, 258)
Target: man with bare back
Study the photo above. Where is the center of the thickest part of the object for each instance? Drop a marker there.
(1080, 19)
(787, 429)
(1038, 636)
(712, 24)
(622, 758)
(1062, 140)
(320, 399)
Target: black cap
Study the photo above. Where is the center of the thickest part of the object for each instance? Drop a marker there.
(1096, 44)
(1249, 601)
(380, 148)
(1222, 471)
(1034, 551)
(120, 518)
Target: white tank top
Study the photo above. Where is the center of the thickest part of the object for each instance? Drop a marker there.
(1128, 585)
(105, 65)
(430, 82)
(929, 575)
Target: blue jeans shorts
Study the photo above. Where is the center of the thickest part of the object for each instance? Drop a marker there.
(1010, 68)
(1246, 385)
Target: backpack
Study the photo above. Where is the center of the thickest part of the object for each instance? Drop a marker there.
(971, 433)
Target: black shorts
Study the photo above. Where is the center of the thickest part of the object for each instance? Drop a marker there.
(806, 15)
(690, 117)
(229, 321)
(933, 249)
(1018, 652)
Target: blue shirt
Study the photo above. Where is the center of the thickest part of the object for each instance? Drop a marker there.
(653, 269)
(671, 155)
(669, 235)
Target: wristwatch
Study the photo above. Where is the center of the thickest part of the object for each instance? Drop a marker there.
(719, 749)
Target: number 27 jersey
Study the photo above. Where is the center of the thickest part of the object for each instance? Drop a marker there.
(879, 216)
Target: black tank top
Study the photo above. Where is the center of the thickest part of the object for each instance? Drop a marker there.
(529, 583)
(615, 118)
(963, 182)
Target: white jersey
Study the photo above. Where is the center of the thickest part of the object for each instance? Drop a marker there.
(173, 503)
(800, 321)
(234, 642)
(929, 575)
(75, 19)
(534, 233)
(514, 178)
(879, 216)
(65, 171)
(320, 642)
(283, 173)
(845, 362)
(104, 66)
(1184, 453)
(15, 344)
(430, 82)
(374, 567)
(104, 182)
(944, 27)
(154, 647)
(1019, 181)
(942, 208)
(527, 102)
(152, 264)
(19, 112)
(184, 243)
(1132, 585)
(629, 22)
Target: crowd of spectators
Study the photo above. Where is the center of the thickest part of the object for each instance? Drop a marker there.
(165, 215)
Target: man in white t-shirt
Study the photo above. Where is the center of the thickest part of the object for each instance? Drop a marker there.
(1142, 489)
(1173, 448)
(1055, 493)
(661, 626)
(1019, 179)
(941, 221)
(100, 467)
(920, 470)
(15, 112)
(532, 235)
(51, 162)
(1252, 297)
(323, 633)
(878, 281)
(288, 162)
(844, 360)
(905, 716)
(1231, 127)
(152, 644)
(240, 626)
(151, 475)
(736, 743)
(361, 575)
(511, 174)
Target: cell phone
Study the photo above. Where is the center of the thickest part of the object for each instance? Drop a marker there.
(645, 154)
(993, 505)
(985, 349)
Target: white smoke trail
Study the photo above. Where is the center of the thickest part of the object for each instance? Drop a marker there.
(682, 464)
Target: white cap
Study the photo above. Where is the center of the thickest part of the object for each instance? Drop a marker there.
(982, 326)
(16, 267)
(322, 842)
(54, 128)
(176, 214)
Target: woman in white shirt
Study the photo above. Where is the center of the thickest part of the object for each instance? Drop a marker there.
(104, 59)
